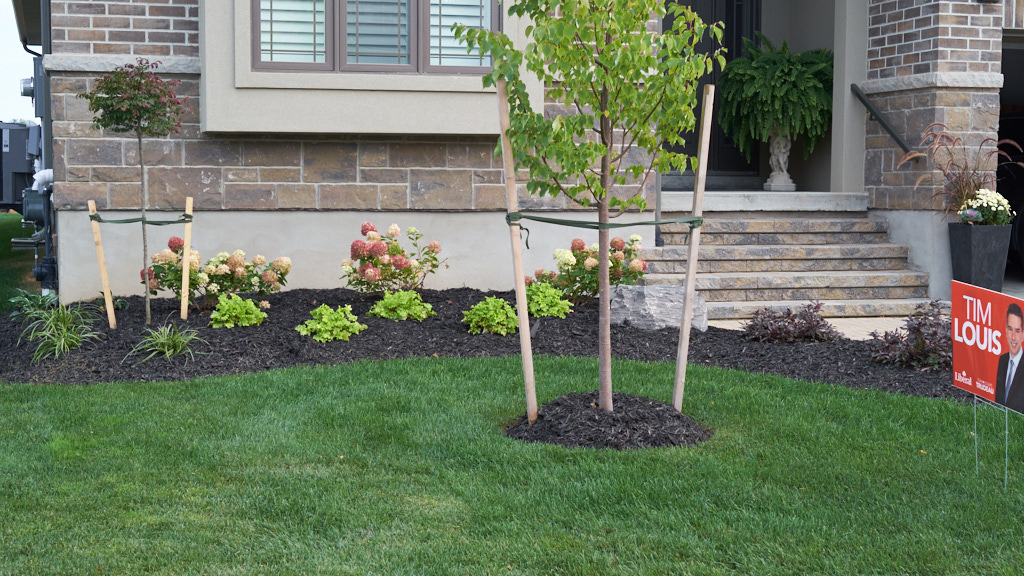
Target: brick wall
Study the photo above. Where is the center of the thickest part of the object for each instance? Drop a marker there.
(265, 173)
(928, 61)
(140, 27)
(920, 36)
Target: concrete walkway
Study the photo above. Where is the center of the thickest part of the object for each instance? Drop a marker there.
(861, 328)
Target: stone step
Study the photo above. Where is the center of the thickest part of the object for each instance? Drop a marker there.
(829, 309)
(778, 258)
(718, 231)
(738, 287)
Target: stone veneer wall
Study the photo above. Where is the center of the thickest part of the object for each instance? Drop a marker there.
(928, 61)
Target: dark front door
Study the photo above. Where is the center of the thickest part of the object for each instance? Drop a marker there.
(728, 169)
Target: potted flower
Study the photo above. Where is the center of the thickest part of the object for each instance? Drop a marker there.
(773, 96)
(979, 235)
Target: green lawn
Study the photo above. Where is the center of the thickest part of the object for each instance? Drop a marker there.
(15, 267)
(400, 467)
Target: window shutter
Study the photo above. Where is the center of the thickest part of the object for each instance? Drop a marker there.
(445, 50)
(293, 31)
(378, 31)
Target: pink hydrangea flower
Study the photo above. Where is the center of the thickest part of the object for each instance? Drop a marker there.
(617, 243)
(385, 260)
(175, 243)
(282, 264)
(394, 231)
(358, 249)
(269, 277)
(528, 280)
(540, 273)
(372, 236)
(236, 262)
(589, 263)
(142, 274)
(366, 228)
(372, 274)
(577, 245)
(434, 247)
(378, 249)
(239, 272)
(399, 262)
(618, 256)
(638, 265)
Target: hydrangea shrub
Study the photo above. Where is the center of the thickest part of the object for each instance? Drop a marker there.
(378, 263)
(577, 275)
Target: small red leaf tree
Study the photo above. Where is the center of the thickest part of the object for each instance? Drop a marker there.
(134, 99)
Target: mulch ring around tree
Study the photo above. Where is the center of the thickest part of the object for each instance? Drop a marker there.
(577, 421)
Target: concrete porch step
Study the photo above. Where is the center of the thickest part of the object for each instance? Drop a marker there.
(829, 309)
(827, 285)
(778, 258)
(721, 231)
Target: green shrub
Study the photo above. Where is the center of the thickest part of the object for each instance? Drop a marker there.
(768, 325)
(29, 305)
(58, 330)
(493, 315)
(168, 341)
(543, 299)
(232, 310)
(402, 305)
(329, 325)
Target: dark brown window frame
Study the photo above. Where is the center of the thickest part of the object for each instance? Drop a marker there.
(336, 14)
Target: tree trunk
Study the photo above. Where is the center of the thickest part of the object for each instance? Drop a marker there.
(604, 339)
(145, 244)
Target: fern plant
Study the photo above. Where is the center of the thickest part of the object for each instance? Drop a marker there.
(773, 89)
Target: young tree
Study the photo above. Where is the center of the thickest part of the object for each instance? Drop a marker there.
(628, 91)
(132, 98)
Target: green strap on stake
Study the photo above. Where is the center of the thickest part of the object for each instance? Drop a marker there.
(183, 219)
(513, 218)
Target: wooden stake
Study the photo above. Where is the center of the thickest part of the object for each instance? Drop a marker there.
(108, 302)
(517, 254)
(691, 258)
(186, 260)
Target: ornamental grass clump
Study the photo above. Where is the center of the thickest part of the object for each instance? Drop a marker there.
(168, 341)
(223, 274)
(58, 330)
(380, 264)
(330, 324)
(965, 172)
(493, 315)
(402, 305)
(233, 310)
(577, 276)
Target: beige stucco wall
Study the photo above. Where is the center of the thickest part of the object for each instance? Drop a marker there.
(477, 246)
(240, 100)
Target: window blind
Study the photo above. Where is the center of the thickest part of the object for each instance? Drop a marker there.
(378, 31)
(445, 50)
(293, 31)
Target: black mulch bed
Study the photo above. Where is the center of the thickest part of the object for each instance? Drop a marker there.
(276, 344)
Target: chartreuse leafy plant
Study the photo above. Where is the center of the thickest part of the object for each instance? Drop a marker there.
(543, 299)
(629, 91)
(402, 305)
(773, 89)
(493, 315)
(233, 310)
(330, 324)
(132, 98)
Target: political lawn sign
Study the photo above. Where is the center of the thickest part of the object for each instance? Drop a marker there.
(987, 338)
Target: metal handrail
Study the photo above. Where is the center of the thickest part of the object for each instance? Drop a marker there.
(877, 116)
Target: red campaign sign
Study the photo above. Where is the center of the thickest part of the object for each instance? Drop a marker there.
(988, 330)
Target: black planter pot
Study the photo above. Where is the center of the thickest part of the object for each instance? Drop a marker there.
(979, 254)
